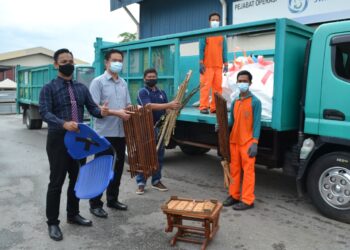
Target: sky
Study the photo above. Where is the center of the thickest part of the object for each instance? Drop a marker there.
(55, 24)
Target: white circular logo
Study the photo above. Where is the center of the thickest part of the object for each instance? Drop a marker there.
(297, 6)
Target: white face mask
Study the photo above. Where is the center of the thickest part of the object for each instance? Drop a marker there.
(243, 87)
(214, 24)
(116, 67)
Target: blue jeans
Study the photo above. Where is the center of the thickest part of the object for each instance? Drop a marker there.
(140, 179)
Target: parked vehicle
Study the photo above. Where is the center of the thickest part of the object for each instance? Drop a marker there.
(30, 80)
(308, 135)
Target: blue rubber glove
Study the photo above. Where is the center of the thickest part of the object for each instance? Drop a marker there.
(225, 70)
(201, 68)
(253, 150)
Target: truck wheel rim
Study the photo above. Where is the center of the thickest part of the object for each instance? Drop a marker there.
(27, 120)
(334, 186)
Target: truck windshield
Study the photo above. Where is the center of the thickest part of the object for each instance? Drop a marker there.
(85, 75)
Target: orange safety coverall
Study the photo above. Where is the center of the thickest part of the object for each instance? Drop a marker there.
(213, 50)
(246, 119)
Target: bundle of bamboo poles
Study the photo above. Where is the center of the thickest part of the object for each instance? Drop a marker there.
(184, 103)
(168, 127)
(223, 134)
(141, 142)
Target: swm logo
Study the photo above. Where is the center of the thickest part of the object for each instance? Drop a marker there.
(297, 6)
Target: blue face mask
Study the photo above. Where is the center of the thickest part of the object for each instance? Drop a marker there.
(243, 87)
(214, 24)
(116, 67)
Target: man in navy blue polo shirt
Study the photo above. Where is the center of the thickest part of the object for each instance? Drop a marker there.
(158, 101)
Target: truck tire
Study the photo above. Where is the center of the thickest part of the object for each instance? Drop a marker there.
(193, 150)
(328, 184)
(38, 124)
(32, 123)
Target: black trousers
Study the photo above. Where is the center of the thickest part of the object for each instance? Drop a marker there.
(112, 194)
(60, 164)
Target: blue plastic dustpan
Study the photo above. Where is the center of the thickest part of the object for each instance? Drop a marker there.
(85, 142)
(94, 177)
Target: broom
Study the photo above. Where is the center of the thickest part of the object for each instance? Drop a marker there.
(223, 134)
(168, 127)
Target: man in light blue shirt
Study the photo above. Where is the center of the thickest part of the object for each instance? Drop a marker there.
(111, 90)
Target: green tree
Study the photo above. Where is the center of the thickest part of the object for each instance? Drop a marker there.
(127, 37)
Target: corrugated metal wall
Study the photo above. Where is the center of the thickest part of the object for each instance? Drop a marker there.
(161, 17)
(7, 101)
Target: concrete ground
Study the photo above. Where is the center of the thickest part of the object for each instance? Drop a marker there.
(279, 220)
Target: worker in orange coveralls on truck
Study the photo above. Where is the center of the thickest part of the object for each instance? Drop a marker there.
(212, 56)
(245, 117)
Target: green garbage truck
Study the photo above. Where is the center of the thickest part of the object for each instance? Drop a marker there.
(308, 133)
(30, 80)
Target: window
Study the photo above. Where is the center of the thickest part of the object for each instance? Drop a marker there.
(158, 56)
(163, 59)
(85, 75)
(26, 77)
(341, 61)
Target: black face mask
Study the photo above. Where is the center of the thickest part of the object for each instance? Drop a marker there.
(66, 69)
(151, 82)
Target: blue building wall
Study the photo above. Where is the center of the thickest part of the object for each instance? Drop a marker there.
(161, 17)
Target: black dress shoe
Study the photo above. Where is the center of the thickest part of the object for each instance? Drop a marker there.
(117, 205)
(99, 212)
(55, 232)
(242, 206)
(79, 220)
(230, 201)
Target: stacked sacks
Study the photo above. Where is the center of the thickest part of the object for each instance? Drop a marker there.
(262, 84)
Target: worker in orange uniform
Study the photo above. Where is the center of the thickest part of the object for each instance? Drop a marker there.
(245, 117)
(212, 56)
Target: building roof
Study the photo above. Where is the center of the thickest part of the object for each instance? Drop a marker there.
(116, 4)
(32, 51)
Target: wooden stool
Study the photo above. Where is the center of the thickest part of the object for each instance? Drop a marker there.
(206, 212)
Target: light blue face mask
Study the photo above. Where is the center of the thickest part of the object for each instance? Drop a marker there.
(116, 67)
(243, 87)
(214, 24)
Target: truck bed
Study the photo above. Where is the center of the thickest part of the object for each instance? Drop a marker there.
(192, 114)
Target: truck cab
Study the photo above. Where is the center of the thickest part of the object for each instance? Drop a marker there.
(325, 171)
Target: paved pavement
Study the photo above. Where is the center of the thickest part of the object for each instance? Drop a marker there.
(279, 220)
